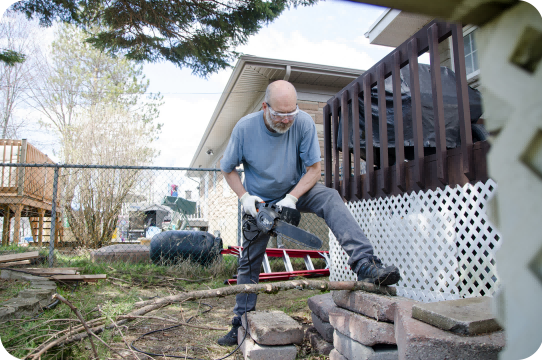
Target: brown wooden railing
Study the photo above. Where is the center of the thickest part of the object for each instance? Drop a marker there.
(33, 182)
(457, 166)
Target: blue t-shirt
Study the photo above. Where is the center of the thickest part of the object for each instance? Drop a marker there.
(273, 163)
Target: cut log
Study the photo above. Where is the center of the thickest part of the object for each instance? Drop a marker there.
(21, 256)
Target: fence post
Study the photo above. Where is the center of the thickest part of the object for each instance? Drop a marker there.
(53, 218)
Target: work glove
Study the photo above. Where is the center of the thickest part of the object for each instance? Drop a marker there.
(249, 203)
(289, 201)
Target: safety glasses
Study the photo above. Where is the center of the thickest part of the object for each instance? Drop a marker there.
(288, 116)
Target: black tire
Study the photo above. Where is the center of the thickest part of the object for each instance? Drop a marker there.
(479, 133)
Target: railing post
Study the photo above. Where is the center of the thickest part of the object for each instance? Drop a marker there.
(398, 121)
(328, 160)
(355, 124)
(416, 113)
(383, 128)
(369, 156)
(335, 119)
(346, 146)
(465, 130)
(53, 217)
(21, 170)
(438, 106)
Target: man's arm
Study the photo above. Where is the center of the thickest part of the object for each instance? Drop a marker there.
(307, 181)
(234, 181)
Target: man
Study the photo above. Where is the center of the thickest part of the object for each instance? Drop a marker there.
(278, 147)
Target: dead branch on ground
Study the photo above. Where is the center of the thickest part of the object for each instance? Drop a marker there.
(157, 303)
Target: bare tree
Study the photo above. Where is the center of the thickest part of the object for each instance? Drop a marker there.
(96, 105)
(18, 35)
(94, 198)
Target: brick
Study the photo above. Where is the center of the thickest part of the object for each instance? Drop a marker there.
(324, 328)
(273, 328)
(321, 304)
(378, 307)
(254, 351)
(361, 328)
(421, 341)
(351, 349)
(308, 106)
(470, 316)
(318, 344)
(319, 118)
(335, 355)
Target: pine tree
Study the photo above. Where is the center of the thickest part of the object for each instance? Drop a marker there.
(198, 34)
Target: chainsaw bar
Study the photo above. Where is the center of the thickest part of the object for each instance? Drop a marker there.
(297, 235)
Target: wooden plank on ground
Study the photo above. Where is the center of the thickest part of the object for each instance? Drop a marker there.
(21, 256)
(13, 263)
(52, 271)
(79, 277)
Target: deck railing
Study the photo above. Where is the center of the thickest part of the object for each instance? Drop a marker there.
(457, 166)
(33, 182)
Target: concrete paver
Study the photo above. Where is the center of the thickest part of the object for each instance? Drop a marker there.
(470, 316)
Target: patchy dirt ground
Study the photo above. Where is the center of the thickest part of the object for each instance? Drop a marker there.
(201, 343)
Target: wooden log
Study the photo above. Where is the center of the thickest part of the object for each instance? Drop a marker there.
(272, 288)
(21, 256)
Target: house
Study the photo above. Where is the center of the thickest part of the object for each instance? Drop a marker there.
(244, 94)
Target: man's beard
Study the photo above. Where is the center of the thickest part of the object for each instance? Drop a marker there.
(279, 127)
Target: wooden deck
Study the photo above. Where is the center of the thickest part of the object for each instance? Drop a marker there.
(26, 192)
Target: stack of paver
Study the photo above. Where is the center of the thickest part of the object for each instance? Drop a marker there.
(369, 326)
(320, 334)
(271, 336)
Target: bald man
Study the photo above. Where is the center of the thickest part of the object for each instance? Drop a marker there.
(278, 147)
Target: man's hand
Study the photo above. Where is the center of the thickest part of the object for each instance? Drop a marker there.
(289, 201)
(249, 203)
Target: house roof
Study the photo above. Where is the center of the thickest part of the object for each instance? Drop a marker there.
(394, 27)
(245, 91)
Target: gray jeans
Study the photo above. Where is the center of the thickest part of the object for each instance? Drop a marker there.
(327, 204)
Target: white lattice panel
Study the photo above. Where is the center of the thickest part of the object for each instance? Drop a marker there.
(441, 241)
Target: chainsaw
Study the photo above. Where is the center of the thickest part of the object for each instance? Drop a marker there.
(273, 220)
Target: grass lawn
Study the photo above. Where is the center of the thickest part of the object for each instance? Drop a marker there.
(129, 283)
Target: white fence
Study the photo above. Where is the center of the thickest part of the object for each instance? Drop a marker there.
(441, 241)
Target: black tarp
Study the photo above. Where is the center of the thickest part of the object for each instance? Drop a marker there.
(451, 117)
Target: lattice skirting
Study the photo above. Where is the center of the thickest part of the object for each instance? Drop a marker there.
(441, 241)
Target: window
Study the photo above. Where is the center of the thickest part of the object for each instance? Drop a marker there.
(471, 55)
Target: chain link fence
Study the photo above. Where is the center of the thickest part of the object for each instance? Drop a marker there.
(98, 213)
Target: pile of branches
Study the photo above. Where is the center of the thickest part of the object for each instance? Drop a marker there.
(93, 327)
